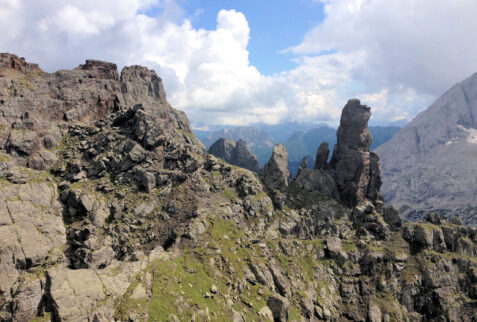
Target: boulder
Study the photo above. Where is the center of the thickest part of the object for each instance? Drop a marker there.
(137, 153)
(374, 312)
(27, 299)
(281, 282)
(392, 218)
(75, 292)
(280, 307)
(421, 236)
(333, 246)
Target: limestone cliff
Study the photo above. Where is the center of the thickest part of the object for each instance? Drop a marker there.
(430, 164)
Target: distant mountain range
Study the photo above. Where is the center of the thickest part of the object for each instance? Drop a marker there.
(431, 164)
(258, 141)
(301, 140)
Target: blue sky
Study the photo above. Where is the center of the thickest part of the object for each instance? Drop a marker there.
(242, 62)
(274, 26)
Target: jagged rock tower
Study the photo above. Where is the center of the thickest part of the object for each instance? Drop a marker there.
(353, 174)
(356, 170)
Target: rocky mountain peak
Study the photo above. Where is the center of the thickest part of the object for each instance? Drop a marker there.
(38, 107)
(142, 85)
(353, 174)
(322, 156)
(276, 176)
(357, 172)
(276, 173)
(353, 130)
(429, 165)
(129, 219)
(100, 69)
(11, 62)
(236, 153)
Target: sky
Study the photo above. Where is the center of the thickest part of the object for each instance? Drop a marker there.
(254, 61)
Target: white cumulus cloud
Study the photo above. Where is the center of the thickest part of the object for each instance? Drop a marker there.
(427, 45)
(396, 55)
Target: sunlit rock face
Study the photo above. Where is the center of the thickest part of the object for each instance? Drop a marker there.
(430, 164)
(111, 210)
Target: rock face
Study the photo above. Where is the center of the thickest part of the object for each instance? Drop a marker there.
(236, 153)
(259, 142)
(135, 221)
(353, 174)
(430, 164)
(356, 169)
(38, 107)
(276, 176)
(42, 229)
(275, 172)
(322, 154)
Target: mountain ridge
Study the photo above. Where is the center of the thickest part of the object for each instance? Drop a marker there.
(132, 220)
(433, 155)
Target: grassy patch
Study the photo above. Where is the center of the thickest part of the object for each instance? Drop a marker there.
(410, 274)
(45, 318)
(388, 304)
(348, 245)
(4, 157)
(228, 194)
(259, 196)
(179, 289)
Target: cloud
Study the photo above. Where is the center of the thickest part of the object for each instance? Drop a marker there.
(426, 45)
(207, 73)
(395, 55)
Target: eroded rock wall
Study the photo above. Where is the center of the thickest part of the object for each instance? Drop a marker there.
(134, 221)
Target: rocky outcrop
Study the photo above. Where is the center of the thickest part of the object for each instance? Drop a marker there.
(236, 153)
(134, 221)
(322, 154)
(353, 174)
(430, 164)
(43, 229)
(357, 173)
(279, 306)
(275, 174)
(38, 107)
(317, 181)
(9, 63)
(31, 235)
(259, 142)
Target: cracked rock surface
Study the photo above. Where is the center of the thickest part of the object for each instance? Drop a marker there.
(111, 210)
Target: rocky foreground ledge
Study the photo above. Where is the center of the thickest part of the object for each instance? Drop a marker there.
(111, 209)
